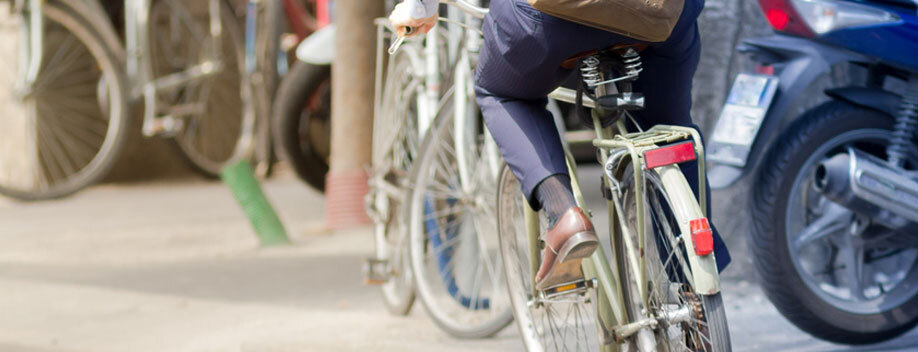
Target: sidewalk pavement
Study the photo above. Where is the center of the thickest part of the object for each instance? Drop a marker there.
(176, 267)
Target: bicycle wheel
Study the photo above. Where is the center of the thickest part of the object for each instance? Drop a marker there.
(65, 131)
(453, 249)
(218, 109)
(302, 122)
(395, 145)
(564, 323)
(695, 322)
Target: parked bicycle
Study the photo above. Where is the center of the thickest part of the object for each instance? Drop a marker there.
(424, 218)
(72, 83)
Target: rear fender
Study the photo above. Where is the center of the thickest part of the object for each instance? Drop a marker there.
(868, 98)
(798, 63)
(319, 47)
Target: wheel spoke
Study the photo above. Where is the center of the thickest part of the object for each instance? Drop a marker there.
(834, 220)
(853, 258)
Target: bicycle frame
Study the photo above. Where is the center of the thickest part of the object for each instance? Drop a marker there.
(140, 66)
(615, 142)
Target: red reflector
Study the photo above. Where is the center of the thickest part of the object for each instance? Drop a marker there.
(668, 155)
(702, 237)
(765, 70)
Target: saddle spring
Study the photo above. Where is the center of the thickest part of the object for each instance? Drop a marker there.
(589, 70)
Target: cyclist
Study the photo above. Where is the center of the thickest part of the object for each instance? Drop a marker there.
(521, 63)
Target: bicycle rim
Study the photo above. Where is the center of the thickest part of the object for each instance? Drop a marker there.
(566, 323)
(67, 130)
(454, 254)
(702, 324)
(217, 110)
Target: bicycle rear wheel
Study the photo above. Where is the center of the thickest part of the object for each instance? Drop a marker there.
(565, 323)
(218, 109)
(65, 131)
(454, 254)
(698, 322)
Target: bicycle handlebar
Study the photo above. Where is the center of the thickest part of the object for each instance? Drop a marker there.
(464, 5)
(468, 8)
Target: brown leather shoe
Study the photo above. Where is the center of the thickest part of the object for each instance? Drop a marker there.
(571, 240)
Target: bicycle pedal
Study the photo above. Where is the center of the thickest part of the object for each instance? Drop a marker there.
(166, 125)
(376, 271)
(575, 287)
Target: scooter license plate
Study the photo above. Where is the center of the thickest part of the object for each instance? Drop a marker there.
(740, 118)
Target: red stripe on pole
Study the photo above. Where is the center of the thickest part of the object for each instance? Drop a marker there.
(344, 199)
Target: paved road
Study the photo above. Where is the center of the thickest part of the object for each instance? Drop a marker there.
(175, 267)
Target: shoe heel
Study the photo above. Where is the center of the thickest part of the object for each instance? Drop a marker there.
(580, 245)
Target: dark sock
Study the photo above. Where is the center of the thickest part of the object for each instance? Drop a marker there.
(555, 195)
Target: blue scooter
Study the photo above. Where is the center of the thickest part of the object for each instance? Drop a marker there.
(835, 195)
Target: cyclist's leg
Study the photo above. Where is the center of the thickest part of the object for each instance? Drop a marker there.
(666, 83)
(520, 63)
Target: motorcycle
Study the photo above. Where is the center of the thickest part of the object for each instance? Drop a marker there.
(301, 121)
(835, 192)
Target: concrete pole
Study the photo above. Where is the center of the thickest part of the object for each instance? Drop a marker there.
(352, 112)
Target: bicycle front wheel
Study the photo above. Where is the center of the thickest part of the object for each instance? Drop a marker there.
(453, 242)
(395, 146)
(686, 319)
(562, 323)
(217, 109)
(64, 131)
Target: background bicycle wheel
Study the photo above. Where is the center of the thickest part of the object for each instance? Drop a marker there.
(66, 130)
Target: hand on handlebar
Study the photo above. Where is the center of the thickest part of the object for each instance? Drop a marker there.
(401, 19)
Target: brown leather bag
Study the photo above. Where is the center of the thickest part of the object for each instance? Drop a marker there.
(646, 20)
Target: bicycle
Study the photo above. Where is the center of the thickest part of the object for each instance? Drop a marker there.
(450, 206)
(66, 119)
(192, 78)
(75, 82)
(660, 290)
(408, 93)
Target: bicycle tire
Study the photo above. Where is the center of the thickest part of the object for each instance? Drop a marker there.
(395, 146)
(832, 126)
(209, 139)
(443, 285)
(665, 275)
(538, 323)
(301, 124)
(65, 26)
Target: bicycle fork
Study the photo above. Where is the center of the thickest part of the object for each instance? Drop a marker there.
(32, 41)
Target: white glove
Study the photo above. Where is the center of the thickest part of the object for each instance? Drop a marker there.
(410, 13)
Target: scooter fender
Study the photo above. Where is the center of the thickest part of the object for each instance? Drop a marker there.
(798, 62)
(319, 47)
(868, 98)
